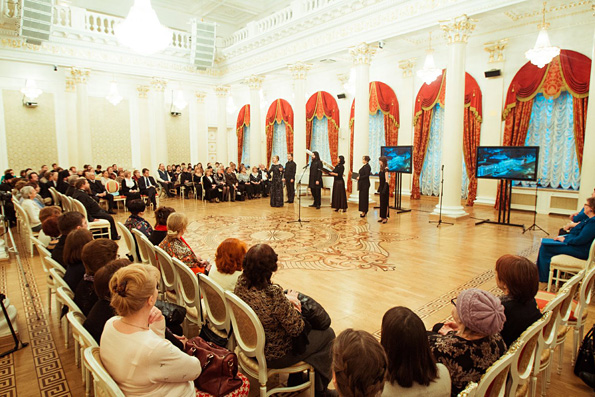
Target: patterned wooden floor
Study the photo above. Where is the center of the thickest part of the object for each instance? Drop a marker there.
(355, 267)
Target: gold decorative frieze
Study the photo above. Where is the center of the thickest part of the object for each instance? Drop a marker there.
(362, 54)
(458, 30)
(222, 91)
(70, 85)
(407, 65)
(299, 70)
(79, 75)
(496, 50)
(516, 16)
(143, 91)
(254, 82)
(200, 96)
(158, 84)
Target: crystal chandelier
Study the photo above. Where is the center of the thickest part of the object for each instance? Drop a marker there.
(179, 101)
(30, 90)
(429, 72)
(543, 52)
(114, 96)
(141, 30)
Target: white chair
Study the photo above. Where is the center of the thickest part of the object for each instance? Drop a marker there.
(82, 340)
(152, 257)
(217, 316)
(43, 253)
(99, 227)
(562, 264)
(103, 383)
(25, 227)
(169, 276)
(56, 266)
(188, 292)
(493, 382)
(65, 203)
(250, 339)
(55, 196)
(578, 317)
(65, 296)
(113, 188)
(142, 250)
(129, 240)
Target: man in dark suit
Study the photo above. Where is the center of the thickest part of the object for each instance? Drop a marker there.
(148, 187)
(71, 185)
(99, 191)
(94, 211)
(290, 168)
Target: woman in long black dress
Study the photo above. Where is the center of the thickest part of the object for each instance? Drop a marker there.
(276, 188)
(383, 189)
(315, 181)
(339, 200)
(363, 186)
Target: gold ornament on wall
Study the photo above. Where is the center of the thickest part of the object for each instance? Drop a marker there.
(458, 30)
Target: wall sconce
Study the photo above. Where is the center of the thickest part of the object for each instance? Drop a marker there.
(30, 93)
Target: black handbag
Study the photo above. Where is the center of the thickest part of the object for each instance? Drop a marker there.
(174, 314)
(313, 311)
(585, 360)
(210, 336)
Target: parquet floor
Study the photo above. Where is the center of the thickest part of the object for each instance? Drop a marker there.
(355, 267)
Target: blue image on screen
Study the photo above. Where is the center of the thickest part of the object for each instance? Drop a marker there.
(399, 158)
(508, 162)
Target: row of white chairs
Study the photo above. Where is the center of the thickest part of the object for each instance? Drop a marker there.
(24, 226)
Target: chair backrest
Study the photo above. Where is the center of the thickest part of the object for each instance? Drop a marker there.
(104, 384)
(248, 331)
(80, 333)
(214, 297)
(550, 330)
(112, 186)
(591, 258)
(65, 202)
(55, 265)
(43, 253)
(169, 275)
(55, 197)
(129, 239)
(187, 285)
(63, 295)
(524, 358)
(60, 283)
(150, 250)
(572, 287)
(77, 206)
(142, 249)
(493, 382)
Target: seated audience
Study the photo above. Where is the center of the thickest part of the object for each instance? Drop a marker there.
(98, 191)
(244, 182)
(231, 181)
(219, 177)
(136, 220)
(62, 183)
(94, 211)
(212, 191)
(71, 184)
(129, 187)
(73, 252)
(412, 369)
(228, 263)
(472, 343)
(28, 193)
(51, 230)
(281, 319)
(133, 347)
(45, 213)
(175, 245)
(160, 230)
(148, 187)
(67, 222)
(164, 179)
(518, 279)
(96, 254)
(359, 364)
(255, 183)
(575, 219)
(576, 243)
(197, 179)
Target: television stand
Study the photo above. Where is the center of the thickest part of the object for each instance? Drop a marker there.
(503, 206)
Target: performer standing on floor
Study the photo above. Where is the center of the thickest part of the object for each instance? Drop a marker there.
(363, 185)
(315, 182)
(276, 173)
(339, 200)
(290, 168)
(383, 189)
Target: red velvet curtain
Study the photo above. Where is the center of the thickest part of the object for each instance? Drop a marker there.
(471, 133)
(243, 120)
(279, 111)
(322, 104)
(382, 98)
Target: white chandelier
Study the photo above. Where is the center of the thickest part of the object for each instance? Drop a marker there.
(141, 30)
(543, 52)
(429, 72)
(179, 101)
(114, 96)
(31, 90)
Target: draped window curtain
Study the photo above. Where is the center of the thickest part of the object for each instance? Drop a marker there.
(322, 105)
(279, 128)
(243, 121)
(376, 139)
(569, 71)
(320, 142)
(246, 147)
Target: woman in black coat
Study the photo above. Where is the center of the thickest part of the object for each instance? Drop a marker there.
(383, 189)
(212, 193)
(339, 199)
(315, 181)
(363, 186)
(129, 187)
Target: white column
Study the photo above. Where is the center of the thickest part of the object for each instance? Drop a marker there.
(71, 127)
(362, 56)
(60, 116)
(299, 72)
(256, 128)
(140, 144)
(588, 167)
(456, 32)
(491, 128)
(222, 92)
(157, 132)
(199, 138)
(406, 109)
(83, 123)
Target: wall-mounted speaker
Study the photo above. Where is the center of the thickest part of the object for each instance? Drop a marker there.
(202, 52)
(341, 96)
(492, 73)
(36, 20)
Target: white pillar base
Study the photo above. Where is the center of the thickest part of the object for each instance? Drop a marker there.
(454, 211)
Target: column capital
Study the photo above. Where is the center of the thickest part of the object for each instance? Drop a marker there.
(142, 90)
(299, 70)
(70, 85)
(407, 65)
(222, 91)
(158, 84)
(362, 54)
(254, 82)
(496, 50)
(200, 96)
(458, 29)
(79, 75)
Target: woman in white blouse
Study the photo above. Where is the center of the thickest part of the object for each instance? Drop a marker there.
(28, 194)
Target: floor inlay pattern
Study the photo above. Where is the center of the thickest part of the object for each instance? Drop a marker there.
(320, 244)
(8, 382)
(48, 366)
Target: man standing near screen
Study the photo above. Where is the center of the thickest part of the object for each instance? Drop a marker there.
(290, 168)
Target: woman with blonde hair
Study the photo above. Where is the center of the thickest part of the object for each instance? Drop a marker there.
(133, 346)
(175, 245)
(28, 193)
(228, 263)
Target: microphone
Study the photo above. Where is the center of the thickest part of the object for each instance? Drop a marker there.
(306, 166)
(442, 167)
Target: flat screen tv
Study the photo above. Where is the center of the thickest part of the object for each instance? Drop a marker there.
(508, 162)
(399, 158)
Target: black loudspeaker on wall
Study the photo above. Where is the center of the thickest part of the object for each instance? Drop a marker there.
(341, 96)
(492, 73)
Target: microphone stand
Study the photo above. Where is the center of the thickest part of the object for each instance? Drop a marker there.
(440, 221)
(534, 226)
(299, 219)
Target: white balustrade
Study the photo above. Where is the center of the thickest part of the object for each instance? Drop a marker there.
(100, 23)
(275, 20)
(62, 16)
(10, 8)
